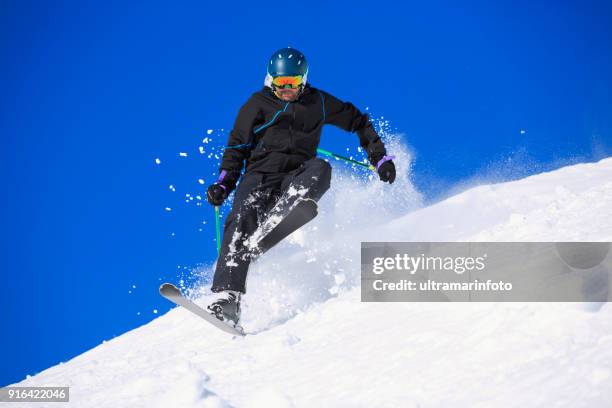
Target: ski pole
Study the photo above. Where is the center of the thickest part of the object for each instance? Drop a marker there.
(218, 228)
(337, 156)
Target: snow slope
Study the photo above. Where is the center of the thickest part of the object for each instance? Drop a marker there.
(316, 345)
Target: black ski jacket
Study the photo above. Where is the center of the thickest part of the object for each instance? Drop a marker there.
(274, 136)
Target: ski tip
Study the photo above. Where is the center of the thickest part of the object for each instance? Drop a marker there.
(168, 288)
(311, 203)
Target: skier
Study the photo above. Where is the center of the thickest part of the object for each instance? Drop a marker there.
(277, 133)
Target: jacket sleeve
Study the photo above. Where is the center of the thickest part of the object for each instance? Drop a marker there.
(346, 116)
(239, 144)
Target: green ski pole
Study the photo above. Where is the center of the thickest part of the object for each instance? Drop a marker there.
(337, 156)
(218, 227)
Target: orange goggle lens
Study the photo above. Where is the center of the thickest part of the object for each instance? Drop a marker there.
(287, 81)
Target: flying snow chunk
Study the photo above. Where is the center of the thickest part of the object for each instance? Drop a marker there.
(523, 132)
(201, 148)
(157, 161)
(201, 181)
(168, 209)
(171, 187)
(205, 140)
(183, 154)
(209, 131)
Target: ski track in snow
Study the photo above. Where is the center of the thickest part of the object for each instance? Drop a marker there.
(316, 345)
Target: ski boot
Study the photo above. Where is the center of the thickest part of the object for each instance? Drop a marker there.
(227, 307)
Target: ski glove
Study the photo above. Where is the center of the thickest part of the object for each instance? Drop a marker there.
(216, 194)
(386, 169)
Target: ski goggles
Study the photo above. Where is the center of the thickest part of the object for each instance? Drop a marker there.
(292, 82)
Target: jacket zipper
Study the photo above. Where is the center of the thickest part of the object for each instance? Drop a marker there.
(291, 127)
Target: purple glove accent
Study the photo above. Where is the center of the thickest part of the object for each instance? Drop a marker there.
(384, 159)
(222, 186)
(221, 176)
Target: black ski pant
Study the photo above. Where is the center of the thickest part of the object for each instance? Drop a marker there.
(256, 195)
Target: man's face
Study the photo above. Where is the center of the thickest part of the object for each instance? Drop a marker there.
(287, 94)
(287, 88)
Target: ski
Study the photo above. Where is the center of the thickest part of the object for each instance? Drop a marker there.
(173, 294)
(303, 212)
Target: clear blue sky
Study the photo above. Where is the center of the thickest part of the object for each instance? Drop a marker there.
(92, 92)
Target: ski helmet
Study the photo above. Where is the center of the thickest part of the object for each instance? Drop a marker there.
(287, 62)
